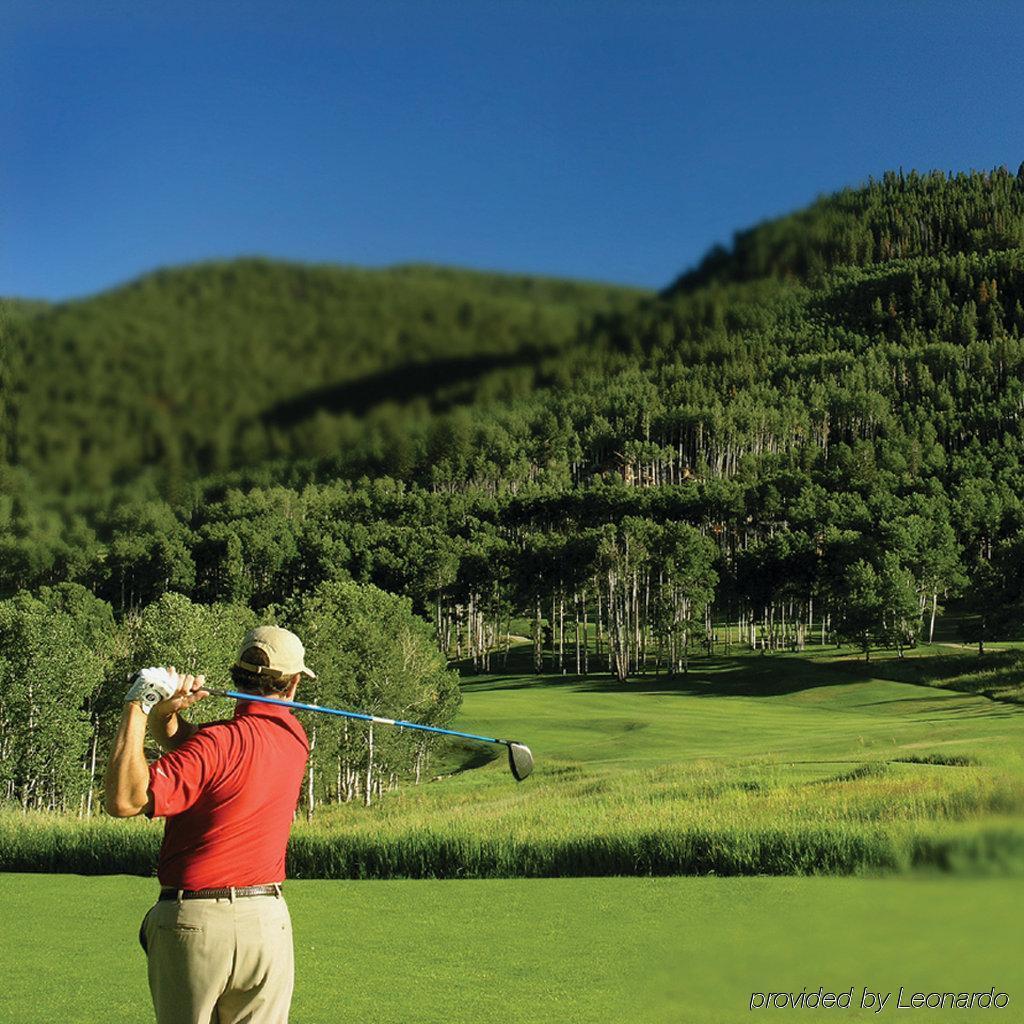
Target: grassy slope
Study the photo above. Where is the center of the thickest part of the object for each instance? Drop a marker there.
(800, 717)
(779, 764)
(802, 712)
(773, 764)
(560, 951)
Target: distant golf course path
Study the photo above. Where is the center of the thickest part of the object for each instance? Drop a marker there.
(555, 951)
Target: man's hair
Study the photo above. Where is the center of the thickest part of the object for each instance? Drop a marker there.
(265, 682)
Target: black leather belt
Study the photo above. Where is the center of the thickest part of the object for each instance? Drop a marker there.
(220, 894)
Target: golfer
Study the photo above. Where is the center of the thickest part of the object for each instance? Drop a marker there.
(219, 937)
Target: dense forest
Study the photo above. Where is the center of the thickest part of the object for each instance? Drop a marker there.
(201, 369)
(812, 437)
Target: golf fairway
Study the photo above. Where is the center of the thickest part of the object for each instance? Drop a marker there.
(546, 951)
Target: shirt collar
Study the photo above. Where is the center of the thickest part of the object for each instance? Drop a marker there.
(259, 707)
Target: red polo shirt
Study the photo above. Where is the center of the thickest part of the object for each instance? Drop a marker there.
(229, 794)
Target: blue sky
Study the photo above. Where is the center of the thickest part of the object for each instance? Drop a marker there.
(607, 141)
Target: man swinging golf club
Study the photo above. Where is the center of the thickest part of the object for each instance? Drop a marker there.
(219, 938)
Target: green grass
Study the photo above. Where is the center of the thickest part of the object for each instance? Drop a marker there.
(752, 764)
(782, 763)
(556, 951)
(778, 764)
(997, 674)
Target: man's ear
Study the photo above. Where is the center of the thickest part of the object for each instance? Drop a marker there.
(293, 686)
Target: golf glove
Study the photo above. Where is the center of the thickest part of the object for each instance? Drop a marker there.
(150, 686)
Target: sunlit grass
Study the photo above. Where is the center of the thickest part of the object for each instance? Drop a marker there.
(540, 951)
(781, 765)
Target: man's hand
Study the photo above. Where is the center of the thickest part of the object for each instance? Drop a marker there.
(150, 686)
(188, 691)
(166, 726)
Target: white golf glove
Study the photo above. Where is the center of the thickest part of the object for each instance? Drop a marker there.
(150, 686)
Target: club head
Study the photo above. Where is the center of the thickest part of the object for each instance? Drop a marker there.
(520, 760)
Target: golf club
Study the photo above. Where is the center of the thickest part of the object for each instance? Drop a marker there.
(520, 760)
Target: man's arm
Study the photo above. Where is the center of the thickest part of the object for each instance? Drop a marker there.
(126, 783)
(170, 732)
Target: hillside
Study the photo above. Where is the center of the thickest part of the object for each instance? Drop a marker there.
(204, 368)
(889, 314)
(819, 440)
(900, 216)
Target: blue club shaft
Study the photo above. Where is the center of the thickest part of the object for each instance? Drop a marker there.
(235, 695)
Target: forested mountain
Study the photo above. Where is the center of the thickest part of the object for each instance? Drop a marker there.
(220, 365)
(814, 436)
(898, 217)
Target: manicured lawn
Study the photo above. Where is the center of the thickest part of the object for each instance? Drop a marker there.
(795, 711)
(543, 951)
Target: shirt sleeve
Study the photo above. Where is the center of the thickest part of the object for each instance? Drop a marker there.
(178, 779)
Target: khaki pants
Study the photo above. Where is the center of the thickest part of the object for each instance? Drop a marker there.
(220, 961)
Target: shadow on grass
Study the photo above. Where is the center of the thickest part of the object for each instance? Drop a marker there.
(997, 675)
(464, 757)
(716, 676)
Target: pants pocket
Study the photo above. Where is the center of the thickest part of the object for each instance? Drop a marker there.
(142, 932)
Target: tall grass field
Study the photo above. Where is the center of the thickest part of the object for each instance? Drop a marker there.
(779, 764)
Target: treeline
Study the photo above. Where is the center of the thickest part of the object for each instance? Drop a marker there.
(65, 659)
(901, 215)
(607, 578)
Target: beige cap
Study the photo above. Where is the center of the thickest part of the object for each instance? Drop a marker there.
(283, 649)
